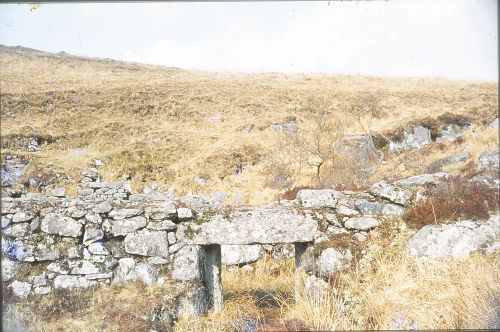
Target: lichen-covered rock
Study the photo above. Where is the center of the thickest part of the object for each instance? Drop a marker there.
(125, 265)
(147, 243)
(316, 290)
(65, 226)
(376, 208)
(126, 226)
(251, 227)
(241, 254)
(21, 289)
(438, 165)
(489, 161)
(97, 249)
(125, 213)
(84, 267)
(188, 264)
(413, 138)
(161, 212)
(9, 269)
(143, 272)
(59, 192)
(23, 216)
(104, 207)
(318, 198)
(458, 239)
(391, 192)
(404, 191)
(185, 214)
(361, 223)
(331, 260)
(421, 180)
(92, 234)
(69, 282)
(17, 230)
(162, 225)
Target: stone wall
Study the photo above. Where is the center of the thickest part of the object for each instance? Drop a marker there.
(107, 235)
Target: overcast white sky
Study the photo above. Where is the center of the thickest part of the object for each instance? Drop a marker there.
(453, 39)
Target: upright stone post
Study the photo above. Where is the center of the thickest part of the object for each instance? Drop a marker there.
(303, 261)
(212, 277)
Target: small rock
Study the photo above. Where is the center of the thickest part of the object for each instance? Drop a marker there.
(126, 226)
(185, 214)
(23, 216)
(147, 243)
(318, 198)
(59, 192)
(241, 254)
(103, 207)
(69, 282)
(64, 226)
(332, 260)
(21, 289)
(361, 223)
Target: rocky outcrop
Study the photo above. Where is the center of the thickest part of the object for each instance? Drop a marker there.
(405, 191)
(458, 239)
(437, 166)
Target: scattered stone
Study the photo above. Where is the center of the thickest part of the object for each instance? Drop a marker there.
(200, 181)
(143, 272)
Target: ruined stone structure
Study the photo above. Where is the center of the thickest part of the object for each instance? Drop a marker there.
(108, 235)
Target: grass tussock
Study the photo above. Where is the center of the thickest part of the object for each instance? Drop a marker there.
(454, 200)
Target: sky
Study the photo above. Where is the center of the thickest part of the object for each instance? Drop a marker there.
(454, 39)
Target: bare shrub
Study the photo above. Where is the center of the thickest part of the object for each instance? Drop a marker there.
(455, 200)
(314, 145)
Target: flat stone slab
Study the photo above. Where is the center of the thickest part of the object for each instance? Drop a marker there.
(258, 226)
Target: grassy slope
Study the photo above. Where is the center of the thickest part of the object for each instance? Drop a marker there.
(151, 121)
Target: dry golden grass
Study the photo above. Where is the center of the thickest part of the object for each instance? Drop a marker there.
(151, 122)
(115, 308)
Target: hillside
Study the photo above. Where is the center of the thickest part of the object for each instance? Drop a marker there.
(172, 126)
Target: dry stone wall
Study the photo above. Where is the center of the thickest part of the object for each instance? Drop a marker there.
(107, 235)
